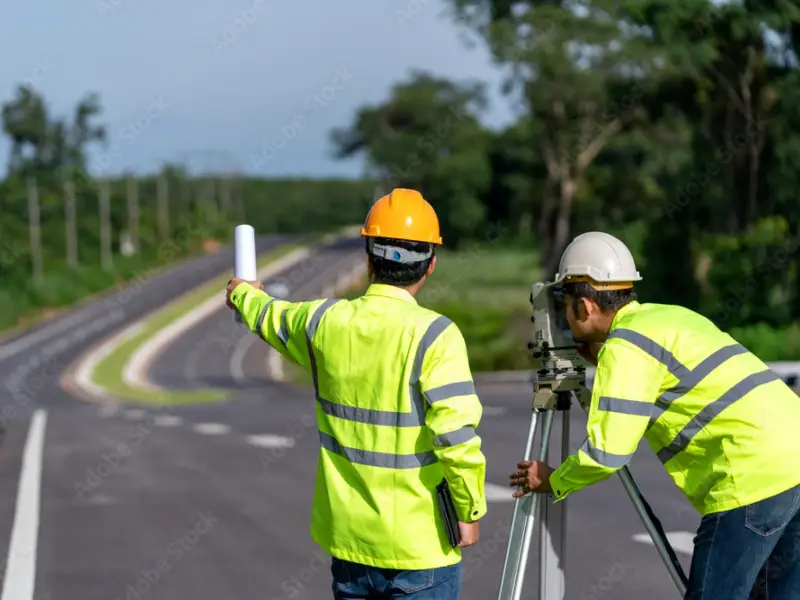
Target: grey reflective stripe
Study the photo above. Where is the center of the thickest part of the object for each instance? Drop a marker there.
(607, 459)
(453, 438)
(377, 459)
(283, 334)
(311, 329)
(368, 415)
(450, 390)
(415, 418)
(711, 410)
(625, 407)
(261, 317)
(655, 350)
(700, 372)
(693, 378)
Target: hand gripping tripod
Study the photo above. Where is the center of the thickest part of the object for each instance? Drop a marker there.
(561, 375)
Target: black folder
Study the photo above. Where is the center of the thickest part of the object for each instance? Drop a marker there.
(448, 511)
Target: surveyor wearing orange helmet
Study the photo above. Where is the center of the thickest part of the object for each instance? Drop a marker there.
(397, 412)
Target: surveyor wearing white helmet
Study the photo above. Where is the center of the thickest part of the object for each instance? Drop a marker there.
(724, 426)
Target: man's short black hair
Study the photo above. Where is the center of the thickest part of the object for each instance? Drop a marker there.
(390, 272)
(607, 300)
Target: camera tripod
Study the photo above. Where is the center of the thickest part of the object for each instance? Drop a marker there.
(554, 393)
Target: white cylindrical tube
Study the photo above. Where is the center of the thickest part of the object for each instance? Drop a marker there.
(244, 256)
(244, 253)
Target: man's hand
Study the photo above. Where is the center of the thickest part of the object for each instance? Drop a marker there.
(470, 532)
(232, 286)
(533, 475)
(590, 351)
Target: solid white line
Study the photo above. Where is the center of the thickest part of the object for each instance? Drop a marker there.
(84, 373)
(135, 371)
(211, 428)
(48, 332)
(681, 541)
(498, 493)
(20, 578)
(270, 441)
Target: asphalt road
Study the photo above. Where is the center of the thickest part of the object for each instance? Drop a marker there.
(214, 501)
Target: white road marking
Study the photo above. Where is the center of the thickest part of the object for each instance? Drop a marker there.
(84, 374)
(498, 493)
(135, 371)
(134, 414)
(20, 573)
(270, 441)
(237, 357)
(167, 421)
(211, 428)
(681, 541)
(48, 332)
(494, 411)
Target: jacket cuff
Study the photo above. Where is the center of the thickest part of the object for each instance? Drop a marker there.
(473, 513)
(560, 489)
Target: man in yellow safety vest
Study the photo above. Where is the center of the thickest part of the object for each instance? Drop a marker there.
(725, 427)
(396, 408)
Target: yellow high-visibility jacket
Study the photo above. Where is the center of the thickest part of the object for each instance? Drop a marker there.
(397, 412)
(725, 427)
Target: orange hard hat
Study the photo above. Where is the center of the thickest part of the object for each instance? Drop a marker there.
(403, 215)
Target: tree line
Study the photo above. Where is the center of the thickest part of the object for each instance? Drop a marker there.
(671, 124)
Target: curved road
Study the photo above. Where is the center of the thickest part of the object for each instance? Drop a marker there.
(214, 501)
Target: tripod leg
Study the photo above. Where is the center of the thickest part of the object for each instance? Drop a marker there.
(553, 535)
(522, 522)
(655, 530)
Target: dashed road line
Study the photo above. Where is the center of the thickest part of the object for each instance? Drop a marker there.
(136, 415)
(270, 441)
(167, 421)
(212, 428)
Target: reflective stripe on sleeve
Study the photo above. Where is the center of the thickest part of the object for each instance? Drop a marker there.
(606, 459)
(712, 409)
(624, 407)
(283, 333)
(261, 317)
(450, 390)
(311, 329)
(377, 459)
(453, 438)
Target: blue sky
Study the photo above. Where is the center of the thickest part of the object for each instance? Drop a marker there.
(220, 83)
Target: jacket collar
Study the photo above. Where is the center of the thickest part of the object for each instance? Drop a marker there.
(628, 308)
(390, 291)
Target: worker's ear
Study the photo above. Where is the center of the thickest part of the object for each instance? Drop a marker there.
(431, 266)
(587, 309)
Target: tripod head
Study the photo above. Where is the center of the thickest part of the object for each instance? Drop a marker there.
(560, 369)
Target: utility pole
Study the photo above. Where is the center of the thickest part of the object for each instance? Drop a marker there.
(35, 230)
(71, 225)
(163, 207)
(105, 226)
(133, 212)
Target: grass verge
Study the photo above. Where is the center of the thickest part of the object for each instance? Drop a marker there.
(108, 373)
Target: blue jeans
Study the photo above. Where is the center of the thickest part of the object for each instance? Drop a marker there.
(352, 581)
(748, 553)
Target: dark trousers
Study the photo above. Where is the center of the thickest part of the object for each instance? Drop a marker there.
(352, 581)
(749, 553)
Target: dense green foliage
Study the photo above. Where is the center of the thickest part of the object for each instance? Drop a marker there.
(201, 211)
(672, 124)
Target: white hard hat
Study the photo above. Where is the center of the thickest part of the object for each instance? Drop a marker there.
(598, 257)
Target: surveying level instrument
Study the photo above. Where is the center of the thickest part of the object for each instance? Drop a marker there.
(561, 376)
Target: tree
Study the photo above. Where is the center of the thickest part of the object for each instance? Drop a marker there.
(427, 136)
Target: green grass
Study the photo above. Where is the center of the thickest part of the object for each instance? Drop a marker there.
(108, 372)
